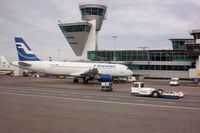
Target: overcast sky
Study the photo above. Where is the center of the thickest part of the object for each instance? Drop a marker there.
(137, 23)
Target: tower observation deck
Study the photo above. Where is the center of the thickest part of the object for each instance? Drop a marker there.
(83, 36)
(93, 11)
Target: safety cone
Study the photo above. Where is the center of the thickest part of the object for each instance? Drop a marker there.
(95, 86)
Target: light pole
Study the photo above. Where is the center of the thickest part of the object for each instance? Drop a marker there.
(114, 37)
(143, 48)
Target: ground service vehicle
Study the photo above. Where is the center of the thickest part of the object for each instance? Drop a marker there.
(174, 82)
(138, 89)
(106, 86)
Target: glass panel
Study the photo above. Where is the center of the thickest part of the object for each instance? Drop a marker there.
(181, 68)
(169, 56)
(152, 67)
(163, 56)
(163, 67)
(175, 67)
(181, 57)
(169, 67)
(101, 12)
(146, 67)
(141, 67)
(157, 56)
(157, 67)
(175, 56)
(75, 28)
(135, 67)
(152, 56)
(94, 11)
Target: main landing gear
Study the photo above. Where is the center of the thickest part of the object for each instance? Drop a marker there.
(75, 80)
(85, 81)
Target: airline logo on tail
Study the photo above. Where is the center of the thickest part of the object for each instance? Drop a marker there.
(24, 52)
(21, 45)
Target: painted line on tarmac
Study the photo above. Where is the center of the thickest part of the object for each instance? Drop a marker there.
(87, 96)
(73, 93)
(171, 102)
(102, 101)
(66, 93)
(96, 94)
(140, 100)
(113, 98)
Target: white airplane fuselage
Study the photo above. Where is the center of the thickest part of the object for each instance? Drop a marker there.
(74, 68)
(85, 70)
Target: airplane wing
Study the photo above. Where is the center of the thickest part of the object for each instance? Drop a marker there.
(91, 73)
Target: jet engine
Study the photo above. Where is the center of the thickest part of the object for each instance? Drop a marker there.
(105, 77)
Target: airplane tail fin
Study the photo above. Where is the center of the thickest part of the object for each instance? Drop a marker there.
(3, 60)
(24, 51)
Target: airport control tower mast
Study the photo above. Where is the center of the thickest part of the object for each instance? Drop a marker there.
(94, 12)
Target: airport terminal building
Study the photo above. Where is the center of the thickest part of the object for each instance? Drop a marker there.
(182, 62)
(155, 64)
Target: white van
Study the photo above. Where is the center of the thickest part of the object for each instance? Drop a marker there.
(174, 82)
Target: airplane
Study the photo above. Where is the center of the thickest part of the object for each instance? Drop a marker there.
(5, 68)
(85, 70)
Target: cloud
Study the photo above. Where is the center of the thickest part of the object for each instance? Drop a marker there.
(151, 21)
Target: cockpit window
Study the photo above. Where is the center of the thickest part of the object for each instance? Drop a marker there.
(126, 67)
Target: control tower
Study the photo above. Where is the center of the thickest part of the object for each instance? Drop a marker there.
(196, 35)
(83, 36)
(193, 47)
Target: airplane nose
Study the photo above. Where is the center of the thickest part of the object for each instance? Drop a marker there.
(131, 72)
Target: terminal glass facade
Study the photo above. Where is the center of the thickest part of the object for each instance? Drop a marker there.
(76, 28)
(159, 67)
(139, 55)
(148, 55)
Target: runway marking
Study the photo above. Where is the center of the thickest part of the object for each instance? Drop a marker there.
(140, 100)
(8, 90)
(92, 94)
(112, 98)
(64, 94)
(87, 96)
(112, 95)
(102, 101)
(76, 93)
(171, 102)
